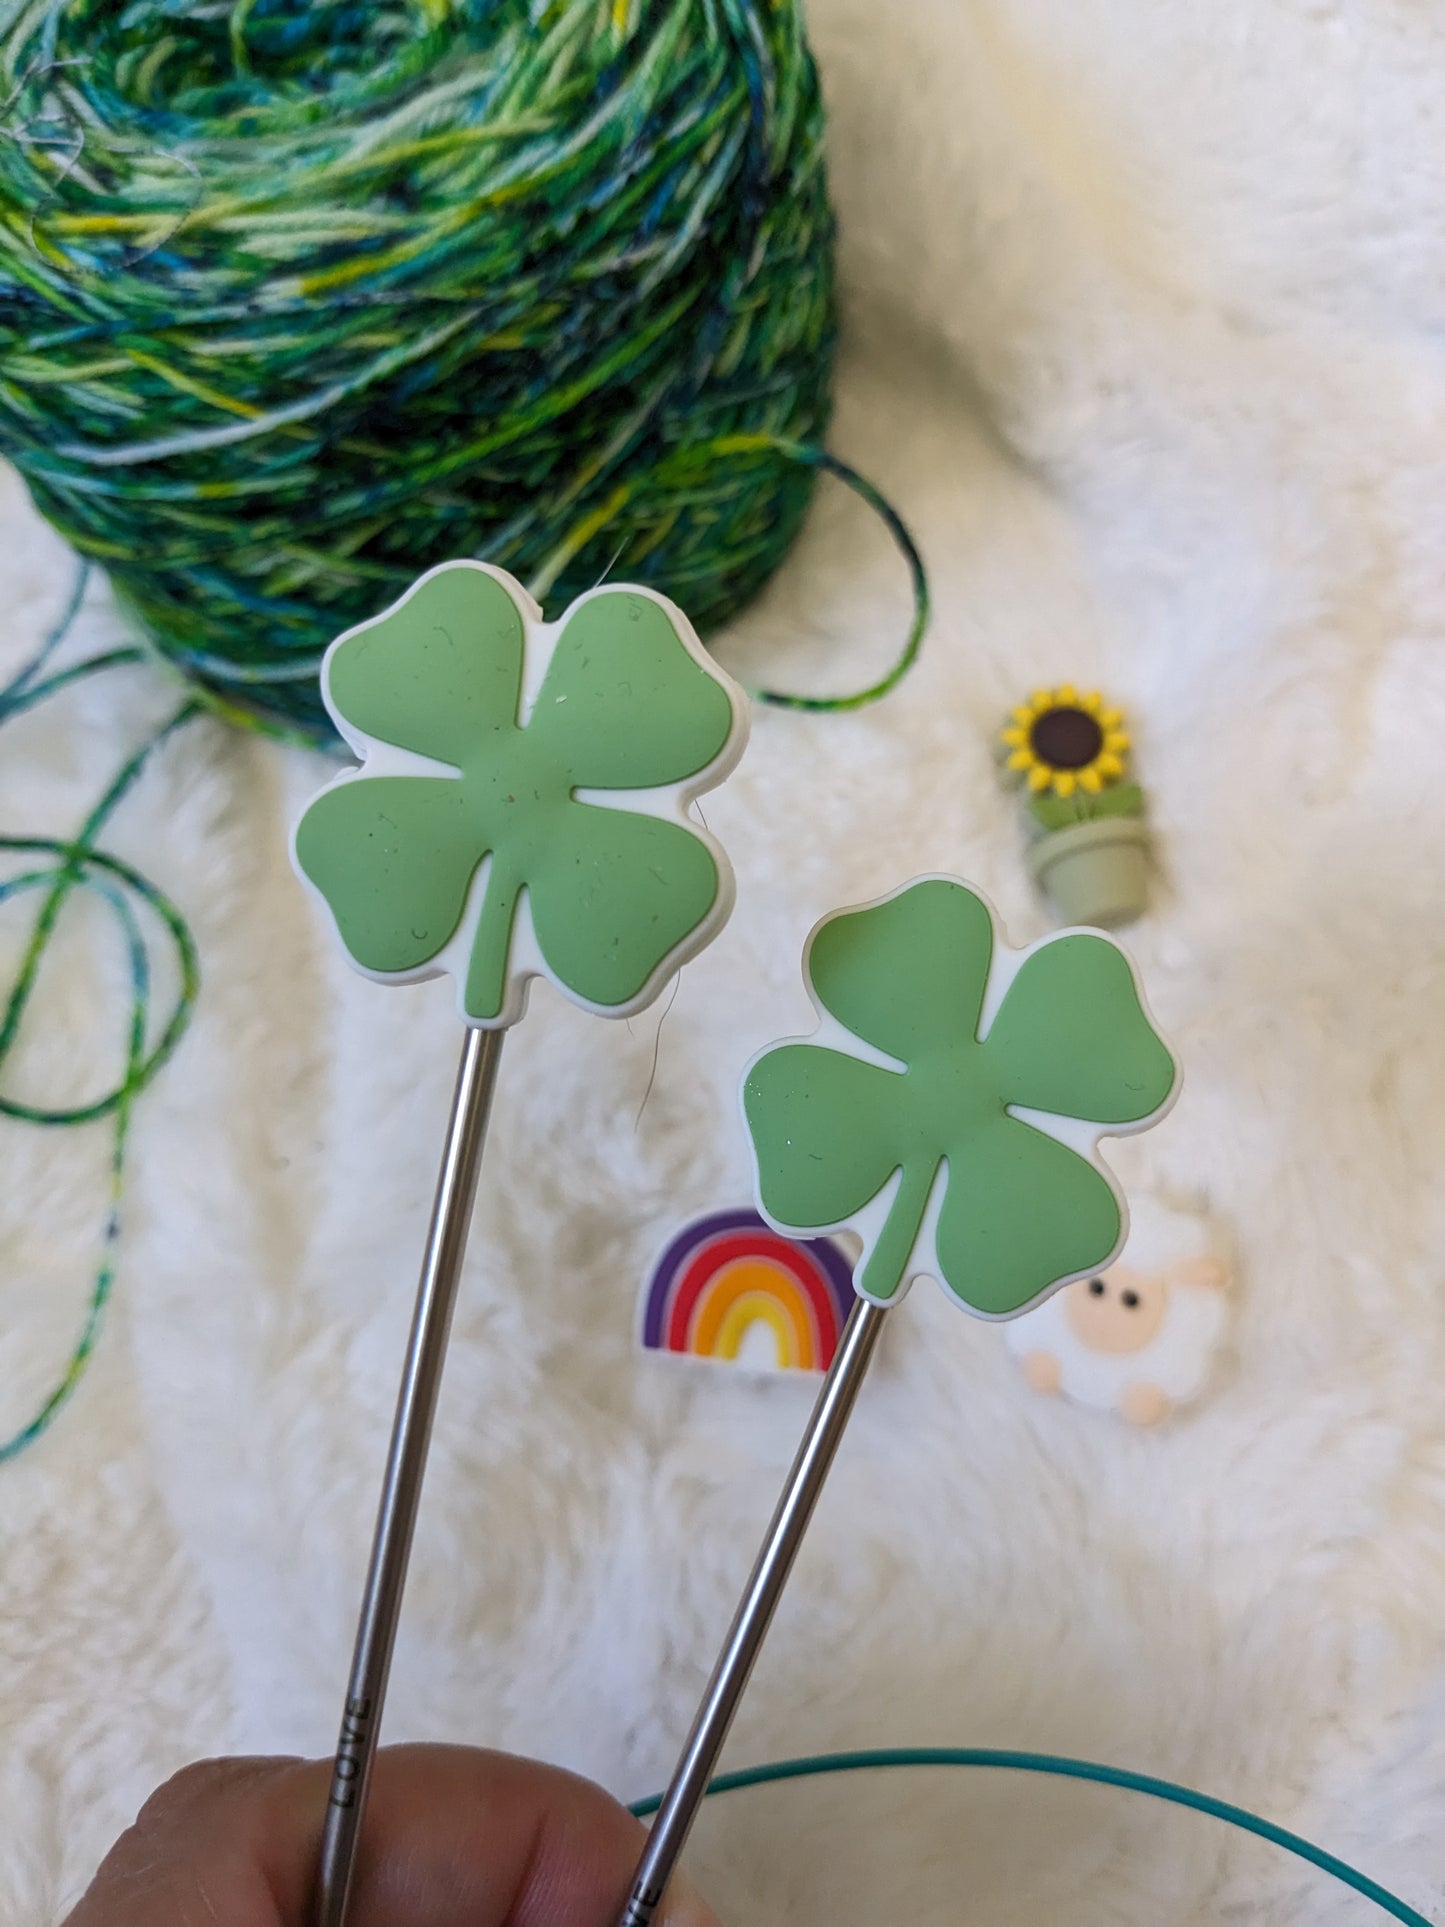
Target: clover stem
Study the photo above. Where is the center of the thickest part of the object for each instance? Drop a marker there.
(888, 1260)
(487, 966)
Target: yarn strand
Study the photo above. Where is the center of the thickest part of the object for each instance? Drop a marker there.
(76, 865)
(819, 458)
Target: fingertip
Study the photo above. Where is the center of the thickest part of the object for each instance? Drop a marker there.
(685, 1907)
(457, 1837)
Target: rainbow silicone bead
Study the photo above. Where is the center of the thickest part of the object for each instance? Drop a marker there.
(522, 805)
(727, 1279)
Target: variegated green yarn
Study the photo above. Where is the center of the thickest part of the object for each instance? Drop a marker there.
(298, 297)
(296, 300)
(52, 872)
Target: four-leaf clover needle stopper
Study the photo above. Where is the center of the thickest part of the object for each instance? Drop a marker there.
(947, 1112)
(522, 808)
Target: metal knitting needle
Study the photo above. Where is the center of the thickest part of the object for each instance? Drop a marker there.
(754, 1614)
(406, 1463)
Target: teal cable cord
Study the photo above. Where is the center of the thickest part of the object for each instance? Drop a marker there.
(1004, 1758)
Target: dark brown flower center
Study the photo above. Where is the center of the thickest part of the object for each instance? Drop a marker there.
(1066, 738)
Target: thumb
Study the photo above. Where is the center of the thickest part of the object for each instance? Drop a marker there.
(454, 1837)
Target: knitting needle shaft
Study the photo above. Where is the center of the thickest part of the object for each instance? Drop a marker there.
(750, 1623)
(406, 1462)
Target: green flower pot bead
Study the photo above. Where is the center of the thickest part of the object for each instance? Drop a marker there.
(523, 803)
(949, 1107)
(1088, 838)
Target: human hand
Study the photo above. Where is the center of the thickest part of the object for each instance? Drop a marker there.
(453, 1838)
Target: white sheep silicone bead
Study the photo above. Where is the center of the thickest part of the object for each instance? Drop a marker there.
(1139, 1338)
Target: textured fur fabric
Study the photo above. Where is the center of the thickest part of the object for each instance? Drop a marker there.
(1144, 336)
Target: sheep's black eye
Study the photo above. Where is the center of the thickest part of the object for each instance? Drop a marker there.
(1131, 1300)
(1097, 1288)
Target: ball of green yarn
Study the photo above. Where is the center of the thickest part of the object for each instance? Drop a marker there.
(296, 300)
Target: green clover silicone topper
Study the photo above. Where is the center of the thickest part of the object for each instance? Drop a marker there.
(523, 806)
(949, 1108)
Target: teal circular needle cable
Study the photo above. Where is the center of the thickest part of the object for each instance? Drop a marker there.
(1063, 1768)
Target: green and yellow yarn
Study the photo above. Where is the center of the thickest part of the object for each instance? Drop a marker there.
(297, 300)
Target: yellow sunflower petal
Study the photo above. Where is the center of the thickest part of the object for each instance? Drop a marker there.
(1013, 736)
(1092, 701)
(1111, 718)
(1042, 699)
(1022, 759)
(1065, 782)
(1066, 695)
(1108, 765)
(1024, 715)
(1116, 739)
(1091, 780)
(1038, 777)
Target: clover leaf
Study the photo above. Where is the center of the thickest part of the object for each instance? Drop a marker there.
(953, 1128)
(522, 808)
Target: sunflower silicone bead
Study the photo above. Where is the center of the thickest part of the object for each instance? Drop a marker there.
(1089, 842)
(1063, 741)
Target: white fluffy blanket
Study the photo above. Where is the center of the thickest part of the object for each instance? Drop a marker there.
(1144, 336)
